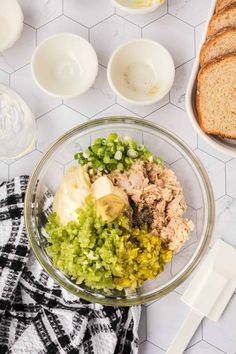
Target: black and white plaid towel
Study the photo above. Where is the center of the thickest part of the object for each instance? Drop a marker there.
(38, 316)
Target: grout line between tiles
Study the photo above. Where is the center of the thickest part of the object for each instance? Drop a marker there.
(192, 345)
(28, 25)
(72, 19)
(103, 20)
(75, 110)
(103, 110)
(52, 109)
(180, 19)
(156, 19)
(22, 67)
(45, 24)
(204, 340)
(155, 345)
(213, 156)
(186, 62)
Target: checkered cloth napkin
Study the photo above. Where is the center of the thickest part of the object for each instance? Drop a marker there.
(38, 316)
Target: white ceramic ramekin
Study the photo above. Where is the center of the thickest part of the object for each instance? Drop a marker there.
(141, 72)
(11, 23)
(64, 65)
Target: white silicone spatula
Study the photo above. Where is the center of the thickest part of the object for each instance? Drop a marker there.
(208, 293)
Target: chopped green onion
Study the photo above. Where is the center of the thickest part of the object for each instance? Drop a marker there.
(118, 155)
(113, 153)
(106, 159)
(120, 148)
(112, 136)
(132, 153)
(120, 166)
(98, 141)
(128, 160)
(86, 154)
(140, 147)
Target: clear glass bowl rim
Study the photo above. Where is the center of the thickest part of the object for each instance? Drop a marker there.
(69, 285)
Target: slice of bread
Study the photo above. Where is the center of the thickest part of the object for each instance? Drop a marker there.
(223, 42)
(216, 97)
(223, 3)
(225, 18)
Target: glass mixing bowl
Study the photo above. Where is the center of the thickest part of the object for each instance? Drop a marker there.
(161, 142)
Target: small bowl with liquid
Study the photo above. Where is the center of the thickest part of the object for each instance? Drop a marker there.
(141, 72)
(64, 65)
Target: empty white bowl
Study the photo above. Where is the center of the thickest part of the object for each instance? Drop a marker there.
(11, 23)
(137, 7)
(141, 72)
(64, 65)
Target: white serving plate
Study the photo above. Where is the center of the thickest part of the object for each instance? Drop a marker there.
(223, 145)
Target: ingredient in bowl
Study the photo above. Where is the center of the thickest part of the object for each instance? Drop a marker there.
(117, 227)
(103, 187)
(157, 197)
(72, 193)
(113, 153)
(105, 255)
(109, 207)
(109, 200)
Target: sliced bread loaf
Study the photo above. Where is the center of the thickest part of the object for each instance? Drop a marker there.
(223, 42)
(222, 3)
(216, 97)
(225, 18)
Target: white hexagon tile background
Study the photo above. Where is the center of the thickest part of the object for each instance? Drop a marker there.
(177, 24)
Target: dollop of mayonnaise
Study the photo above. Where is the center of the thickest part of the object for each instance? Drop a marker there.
(71, 195)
